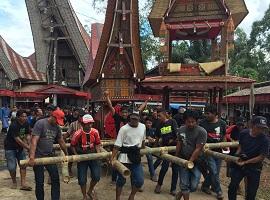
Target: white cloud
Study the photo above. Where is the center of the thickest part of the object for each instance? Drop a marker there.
(15, 26)
(256, 9)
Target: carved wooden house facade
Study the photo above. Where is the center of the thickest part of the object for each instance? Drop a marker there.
(118, 65)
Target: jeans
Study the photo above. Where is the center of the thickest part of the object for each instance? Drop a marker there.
(39, 178)
(114, 175)
(12, 157)
(150, 164)
(253, 181)
(189, 179)
(164, 168)
(82, 171)
(136, 177)
(157, 162)
(212, 178)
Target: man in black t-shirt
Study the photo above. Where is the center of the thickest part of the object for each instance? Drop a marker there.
(252, 150)
(167, 132)
(17, 140)
(216, 130)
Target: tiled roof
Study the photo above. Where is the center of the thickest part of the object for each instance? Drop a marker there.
(246, 92)
(25, 68)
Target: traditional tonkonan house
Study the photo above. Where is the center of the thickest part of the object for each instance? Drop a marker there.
(118, 64)
(62, 46)
(195, 20)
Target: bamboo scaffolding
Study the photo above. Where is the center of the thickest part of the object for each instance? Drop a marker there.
(221, 145)
(227, 158)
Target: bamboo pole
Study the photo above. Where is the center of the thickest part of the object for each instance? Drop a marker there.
(227, 158)
(93, 156)
(72, 158)
(103, 142)
(65, 173)
(178, 161)
(221, 145)
(158, 150)
(122, 169)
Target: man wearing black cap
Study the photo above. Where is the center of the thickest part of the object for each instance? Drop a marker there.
(252, 150)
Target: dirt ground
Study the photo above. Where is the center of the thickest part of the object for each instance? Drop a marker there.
(104, 190)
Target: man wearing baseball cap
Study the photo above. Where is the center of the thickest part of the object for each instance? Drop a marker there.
(253, 148)
(84, 141)
(44, 133)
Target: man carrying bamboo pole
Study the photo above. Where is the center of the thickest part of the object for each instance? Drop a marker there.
(216, 130)
(44, 133)
(167, 131)
(18, 139)
(190, 141)
(86, 140)
(253, 148)
(129, 141)
(73, 127)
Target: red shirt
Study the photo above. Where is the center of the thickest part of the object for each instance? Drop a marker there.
(85, 142)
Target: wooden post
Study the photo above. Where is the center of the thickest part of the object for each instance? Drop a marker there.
(214, 55)
(220, 98)
(211, 96)
(166, 98)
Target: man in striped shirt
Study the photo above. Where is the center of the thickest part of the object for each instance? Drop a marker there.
(84, 141)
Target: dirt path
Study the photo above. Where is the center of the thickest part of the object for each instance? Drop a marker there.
(104, 189)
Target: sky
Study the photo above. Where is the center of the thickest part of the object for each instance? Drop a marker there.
(15, 27)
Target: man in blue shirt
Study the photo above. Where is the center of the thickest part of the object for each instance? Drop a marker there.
(252, 151)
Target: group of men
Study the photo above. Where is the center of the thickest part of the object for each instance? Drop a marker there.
(189, 132)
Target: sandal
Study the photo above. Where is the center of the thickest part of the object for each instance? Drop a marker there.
(26, 188)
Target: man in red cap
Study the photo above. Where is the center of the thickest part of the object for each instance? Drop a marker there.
(44, 133)
(84, 141)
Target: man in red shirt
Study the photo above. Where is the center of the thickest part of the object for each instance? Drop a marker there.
(84, 141)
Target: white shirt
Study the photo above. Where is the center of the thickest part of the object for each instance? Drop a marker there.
(129, 136)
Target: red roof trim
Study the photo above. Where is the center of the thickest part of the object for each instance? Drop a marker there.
(8, 93)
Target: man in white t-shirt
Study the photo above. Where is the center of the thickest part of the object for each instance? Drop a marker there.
(129, 141)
